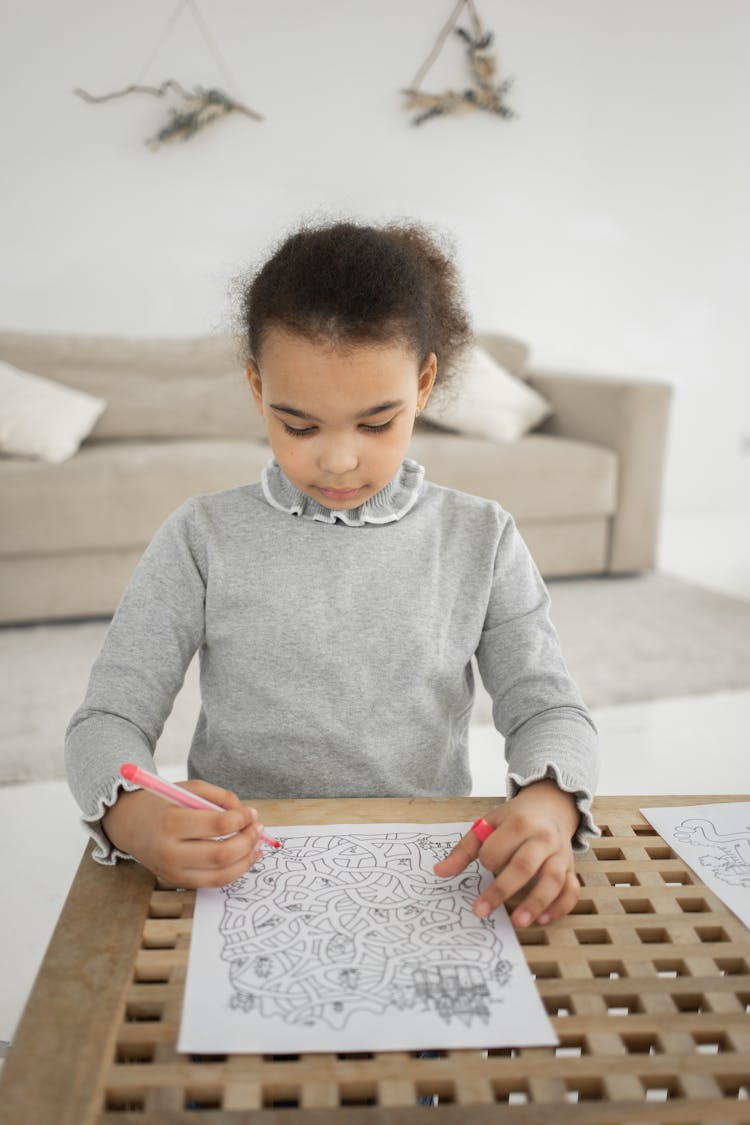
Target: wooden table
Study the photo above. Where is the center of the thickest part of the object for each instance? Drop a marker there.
(647, 985)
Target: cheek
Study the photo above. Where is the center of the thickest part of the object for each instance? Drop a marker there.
(294, 450)
(400, 433)
(287, 449)
(399, 438)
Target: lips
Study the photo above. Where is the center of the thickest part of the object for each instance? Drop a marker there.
(340, 493)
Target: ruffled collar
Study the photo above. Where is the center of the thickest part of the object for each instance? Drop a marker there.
(391, 503)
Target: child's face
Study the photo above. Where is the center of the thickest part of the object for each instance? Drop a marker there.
(339, 419)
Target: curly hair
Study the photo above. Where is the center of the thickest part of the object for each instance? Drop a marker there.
(352, 283)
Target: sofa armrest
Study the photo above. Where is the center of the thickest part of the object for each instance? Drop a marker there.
(629, 416)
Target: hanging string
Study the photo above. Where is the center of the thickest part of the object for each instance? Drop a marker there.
(451, 23)
(160, 42)
(205, 35)
(212, 46)
(476, 23)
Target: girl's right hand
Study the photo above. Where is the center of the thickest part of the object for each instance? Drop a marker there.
(176, 843)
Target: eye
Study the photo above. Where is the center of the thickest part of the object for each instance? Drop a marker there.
(298, 433)
(294, 432)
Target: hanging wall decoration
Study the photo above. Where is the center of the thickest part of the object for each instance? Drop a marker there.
(194, 109)
(485, 92)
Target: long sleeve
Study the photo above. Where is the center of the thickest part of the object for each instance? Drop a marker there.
(536, 705)
(153, 635)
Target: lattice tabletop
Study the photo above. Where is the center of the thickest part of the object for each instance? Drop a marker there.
(647, 985)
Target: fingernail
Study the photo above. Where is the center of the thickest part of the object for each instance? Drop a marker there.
(522, 918)
(254, 812)
(543, 919)
(482, 909)
(258, 827)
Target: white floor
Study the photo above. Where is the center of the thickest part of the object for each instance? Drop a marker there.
(687, 745)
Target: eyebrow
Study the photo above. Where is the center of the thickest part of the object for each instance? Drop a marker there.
(363, 414)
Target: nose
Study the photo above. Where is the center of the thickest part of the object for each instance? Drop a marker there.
(338, 456)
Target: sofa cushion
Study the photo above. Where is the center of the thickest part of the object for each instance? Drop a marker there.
(509, 351)
(161, 388)
(488, 402)
(42, 418)
(538, 477)
(114, 495)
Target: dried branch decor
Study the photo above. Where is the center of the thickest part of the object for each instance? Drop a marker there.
(194, 111)
(484, 92)
(196, 108)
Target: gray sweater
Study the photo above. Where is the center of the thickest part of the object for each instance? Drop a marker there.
(335, 651)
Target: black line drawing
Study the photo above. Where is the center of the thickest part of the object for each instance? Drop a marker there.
(728, 856)
(337, 924)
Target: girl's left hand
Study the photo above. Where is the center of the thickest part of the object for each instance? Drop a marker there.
(532, 840)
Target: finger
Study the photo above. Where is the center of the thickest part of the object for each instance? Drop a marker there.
(196, 878)
(548, 885)
(523, 866)
(203, 824)
(224, 873)
(510, 835)
(219, 877)
(564, 902)
(224, 797)
(466, 850)
(217, 855)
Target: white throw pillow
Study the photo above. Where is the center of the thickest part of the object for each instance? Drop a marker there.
(489, 402)
(42, 418)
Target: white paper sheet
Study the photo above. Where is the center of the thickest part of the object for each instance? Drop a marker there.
(714, 840)
(345, 940)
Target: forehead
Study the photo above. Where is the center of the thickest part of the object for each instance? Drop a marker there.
(320, 369)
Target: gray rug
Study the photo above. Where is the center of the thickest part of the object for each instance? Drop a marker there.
(625, 640)
(650, 637)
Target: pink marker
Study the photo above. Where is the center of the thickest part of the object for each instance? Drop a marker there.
(175, 793)
(481, 829)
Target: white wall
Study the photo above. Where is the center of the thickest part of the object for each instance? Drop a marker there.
(608, 225)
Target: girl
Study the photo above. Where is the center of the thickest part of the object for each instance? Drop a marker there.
(337, 603)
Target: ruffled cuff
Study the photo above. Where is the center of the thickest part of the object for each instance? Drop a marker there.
(583, 797)
(105, 851)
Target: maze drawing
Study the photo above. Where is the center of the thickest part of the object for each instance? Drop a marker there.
(336, 924)
(727, 855)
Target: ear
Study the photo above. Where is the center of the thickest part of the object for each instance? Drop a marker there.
(256, 385)
(426, 380)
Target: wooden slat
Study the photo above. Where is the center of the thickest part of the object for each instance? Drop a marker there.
(67, 1034)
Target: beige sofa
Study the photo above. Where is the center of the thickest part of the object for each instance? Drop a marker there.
(585, 488)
